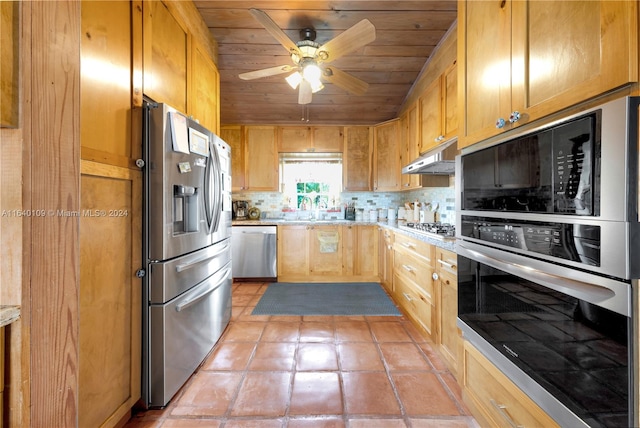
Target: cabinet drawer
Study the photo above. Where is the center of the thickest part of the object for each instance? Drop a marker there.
(407, 265)
(414, 300)
(418, 248)
(495, 397)
(446, 261)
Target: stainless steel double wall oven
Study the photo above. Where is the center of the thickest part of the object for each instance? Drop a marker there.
(547, 227)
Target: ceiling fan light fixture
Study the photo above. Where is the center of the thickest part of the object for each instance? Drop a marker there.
(316, 86)
(294, 79)
(311, 72)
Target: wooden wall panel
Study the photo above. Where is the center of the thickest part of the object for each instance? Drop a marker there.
(53, 184)
(9, 71)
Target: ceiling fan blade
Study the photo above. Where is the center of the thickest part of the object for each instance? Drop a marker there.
(351, 39)
(345, 80)
(265, 72)
(305, 93)
(274, 30)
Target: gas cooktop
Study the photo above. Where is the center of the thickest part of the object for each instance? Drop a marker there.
(433, 230)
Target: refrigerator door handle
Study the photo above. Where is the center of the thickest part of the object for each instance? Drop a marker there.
(217, 278)
(213, 185)
(184, 266)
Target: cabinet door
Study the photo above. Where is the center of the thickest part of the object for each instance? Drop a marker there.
(357, 159)
(325, 250)
(410, 135)
(294, 139)
(366, 264)
(293, 251)
(204, 93)
(233, 136)
(165, 56)
(327, 139)
(262, 158)
(574, 51)
(450, 102)
(430, 116)
(386, 166)
(484, 49)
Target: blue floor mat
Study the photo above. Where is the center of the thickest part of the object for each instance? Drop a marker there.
(349, 298)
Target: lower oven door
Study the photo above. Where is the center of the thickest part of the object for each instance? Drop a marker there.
(562, 335)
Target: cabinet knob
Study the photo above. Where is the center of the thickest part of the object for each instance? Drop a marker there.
(439, 138)
(514, 117)
(500, 123)
(435, 276)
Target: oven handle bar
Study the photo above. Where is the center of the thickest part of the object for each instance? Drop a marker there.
(599, 294)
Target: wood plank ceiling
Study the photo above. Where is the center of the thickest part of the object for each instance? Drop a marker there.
(407, 33)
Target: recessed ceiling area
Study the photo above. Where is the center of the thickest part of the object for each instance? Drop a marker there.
(407, 32)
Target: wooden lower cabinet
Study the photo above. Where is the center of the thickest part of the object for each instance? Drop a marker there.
(493, 399)
(327, 253)
(412, 280)
(448, 335)
(385, 258)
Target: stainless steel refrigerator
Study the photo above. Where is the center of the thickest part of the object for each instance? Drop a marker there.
(186, 245)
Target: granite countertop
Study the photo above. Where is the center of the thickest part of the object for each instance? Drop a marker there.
(447, 244)
(8, 314)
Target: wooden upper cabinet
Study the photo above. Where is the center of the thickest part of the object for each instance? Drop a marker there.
(105, 99)
(204, 90)
(386, 158)
(165, 48)
(327, 139)
(261, 158)
(430, 116)
(537, 58)
(294, 139)
(320, 139)
(233, 136)
(450, 101)
(357, 159)
(410, 145)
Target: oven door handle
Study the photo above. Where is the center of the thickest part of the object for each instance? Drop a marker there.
(582, 290)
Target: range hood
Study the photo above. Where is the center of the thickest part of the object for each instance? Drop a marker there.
(438, 161)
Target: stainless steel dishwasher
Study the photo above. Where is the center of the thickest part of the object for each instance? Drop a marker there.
(254, 252)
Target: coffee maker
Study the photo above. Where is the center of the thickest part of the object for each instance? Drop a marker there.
(240, 210)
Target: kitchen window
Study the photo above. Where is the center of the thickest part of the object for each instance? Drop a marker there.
(311, 180)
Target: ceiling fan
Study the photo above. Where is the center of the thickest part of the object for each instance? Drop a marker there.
(310, 59)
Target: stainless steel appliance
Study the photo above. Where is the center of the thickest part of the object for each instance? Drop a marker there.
(547, 223)
(254, 252)
(186, 245)
(440, 231)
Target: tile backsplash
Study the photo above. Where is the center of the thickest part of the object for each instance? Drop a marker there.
(272, 203)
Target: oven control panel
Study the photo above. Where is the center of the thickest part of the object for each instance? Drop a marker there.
(574, 242)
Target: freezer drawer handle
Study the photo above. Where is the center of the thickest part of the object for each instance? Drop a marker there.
(184, 266)
(204, 294)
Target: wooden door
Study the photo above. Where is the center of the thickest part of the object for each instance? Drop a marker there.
(484, 54)
(293, 252)
(366, 262)
(233, 136)
(386, 166)
(450, 102)
(165, 46)
(262, 158)
(573, 51)
(325, 250)
(357, 159)
(327, 139)
(431, 116)
(410, 135)
(110, 220)
(204, 92)
(294, 139)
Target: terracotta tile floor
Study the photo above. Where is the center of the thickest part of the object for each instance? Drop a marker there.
(292, 371)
